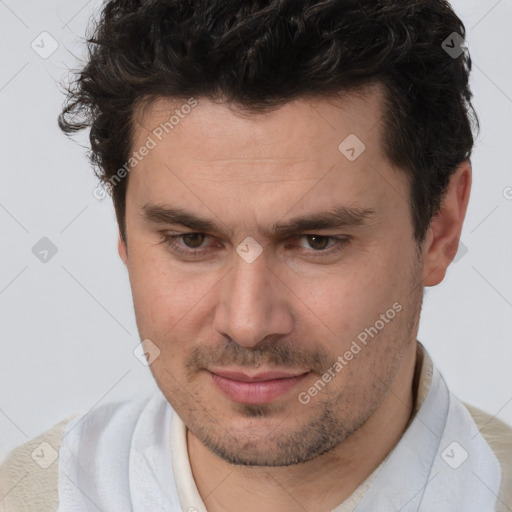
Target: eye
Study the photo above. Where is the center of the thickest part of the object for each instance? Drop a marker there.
(193, 244)
(312, 246)
(318, 242)
(192, 241)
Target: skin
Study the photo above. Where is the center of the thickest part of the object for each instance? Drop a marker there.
(244, 173)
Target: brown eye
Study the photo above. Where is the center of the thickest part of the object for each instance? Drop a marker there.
(318, 242)
(193, 240)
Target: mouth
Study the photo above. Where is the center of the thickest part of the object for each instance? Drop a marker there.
(255, 388)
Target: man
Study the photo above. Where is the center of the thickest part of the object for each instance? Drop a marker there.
(287, 178)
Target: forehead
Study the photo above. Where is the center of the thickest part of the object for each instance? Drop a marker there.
(256, 167)
(300, 129)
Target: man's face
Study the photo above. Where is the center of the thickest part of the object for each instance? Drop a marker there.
(225, 310)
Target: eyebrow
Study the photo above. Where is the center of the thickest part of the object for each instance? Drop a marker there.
(336, 217)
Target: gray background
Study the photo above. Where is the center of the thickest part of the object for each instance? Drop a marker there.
(67, 326)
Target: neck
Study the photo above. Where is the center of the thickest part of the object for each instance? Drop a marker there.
(319, 484)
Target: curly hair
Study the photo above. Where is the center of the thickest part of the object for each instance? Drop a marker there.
(261, 54)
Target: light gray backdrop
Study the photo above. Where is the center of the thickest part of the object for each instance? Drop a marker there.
(67, 325)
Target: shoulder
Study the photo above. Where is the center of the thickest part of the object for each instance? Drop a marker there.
(29, 474)
(498, 436)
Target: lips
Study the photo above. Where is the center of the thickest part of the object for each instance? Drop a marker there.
(255, 388)
(256, 377)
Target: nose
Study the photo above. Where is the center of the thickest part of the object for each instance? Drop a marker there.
(253, 303)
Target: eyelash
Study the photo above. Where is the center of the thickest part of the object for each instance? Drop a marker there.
(171, 241)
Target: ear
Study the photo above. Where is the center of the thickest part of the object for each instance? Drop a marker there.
(442, 240)
(122, 250)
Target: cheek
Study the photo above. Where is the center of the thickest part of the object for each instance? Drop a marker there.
(343, 305)
(166, 299)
